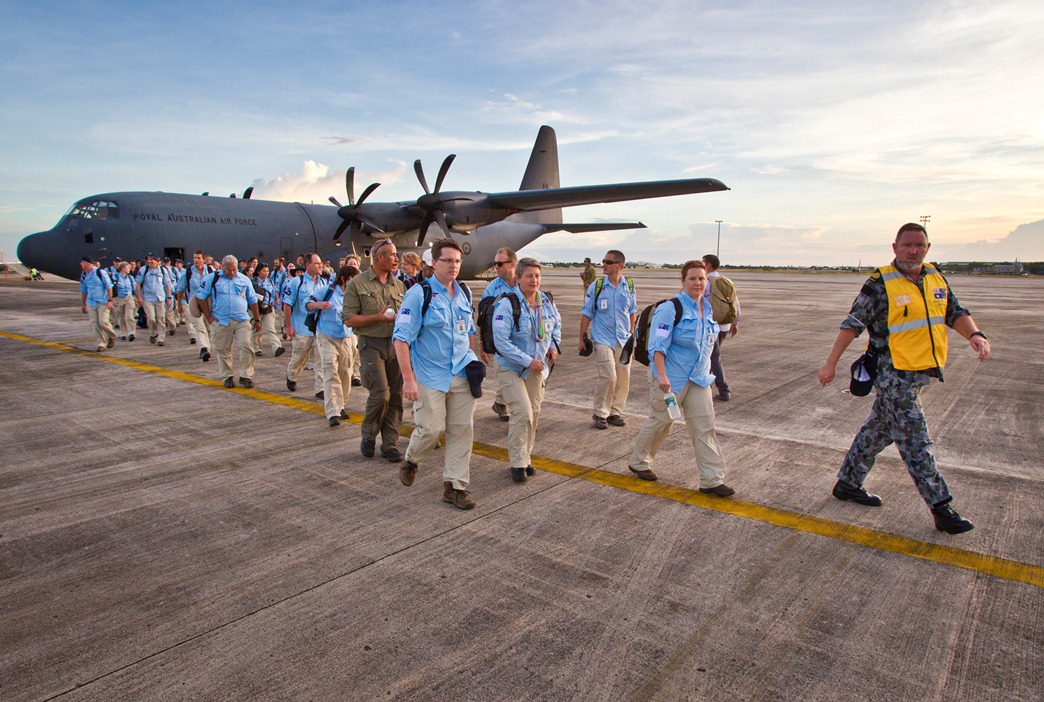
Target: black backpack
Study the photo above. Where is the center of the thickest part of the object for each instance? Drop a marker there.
(485, 315)
(312, 320)
(641, 331)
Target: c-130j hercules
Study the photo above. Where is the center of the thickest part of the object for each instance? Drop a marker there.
(131, 224)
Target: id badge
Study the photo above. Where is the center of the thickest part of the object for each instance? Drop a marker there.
(603, 304)
(462, 327)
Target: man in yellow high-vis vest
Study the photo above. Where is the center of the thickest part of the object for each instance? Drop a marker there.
(906, 308)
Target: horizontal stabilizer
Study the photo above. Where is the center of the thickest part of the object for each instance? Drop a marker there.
(580, 228)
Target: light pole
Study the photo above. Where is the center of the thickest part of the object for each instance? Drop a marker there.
(717, 249)
(924, 220)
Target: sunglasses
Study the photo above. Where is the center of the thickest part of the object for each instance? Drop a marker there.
(498, 264)
(607, 262)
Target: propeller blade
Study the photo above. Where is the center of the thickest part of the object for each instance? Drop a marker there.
(425, 223)
(419, 170)
(441, 219)
(248, 192)
(366, 193)
(340, 229)
(369, 223)
(349, 185)
(443, 170)
(334, 200)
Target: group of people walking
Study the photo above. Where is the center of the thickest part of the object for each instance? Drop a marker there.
(411, 328)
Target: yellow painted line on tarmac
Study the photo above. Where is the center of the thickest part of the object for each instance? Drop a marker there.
(946, 555)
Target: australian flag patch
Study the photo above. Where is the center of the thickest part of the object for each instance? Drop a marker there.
(939, 293)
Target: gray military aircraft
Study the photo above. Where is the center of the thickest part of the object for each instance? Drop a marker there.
(131, 224)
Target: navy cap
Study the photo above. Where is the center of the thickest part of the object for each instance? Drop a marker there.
(864, 370)
(476, 373)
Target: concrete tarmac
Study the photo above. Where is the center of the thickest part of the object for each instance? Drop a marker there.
(163, 538)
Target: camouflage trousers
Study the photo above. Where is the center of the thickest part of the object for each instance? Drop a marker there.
(896, 417)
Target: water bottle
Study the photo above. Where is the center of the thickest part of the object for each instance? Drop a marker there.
(672, 405)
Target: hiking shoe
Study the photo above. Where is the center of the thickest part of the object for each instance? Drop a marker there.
(356, 382)
(204, 354)
(246, 382)
(130, 337)
(518, 475)
(844, 492)
(334, 422)
(530, 471)
(160, 343)
(722, 490)
(192, 342)
(616, 420)
(947, 519)
(408, 473)
(501, 411)
(460, 499)
(599, 422)
(725, 395)
(291, 385)
(367, 447)
(152, 340)
(110, 343)
(257, 353)
(230, 382)
(343, 415)
(393, 455)
(320, 395)
(279, 351)
(643, 474)
(100, 348)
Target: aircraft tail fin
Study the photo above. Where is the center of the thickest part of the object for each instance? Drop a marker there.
(542, 173)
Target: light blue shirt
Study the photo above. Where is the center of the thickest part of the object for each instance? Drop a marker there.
(296, 295)
(278, 278)
(192, 281)
(268, 291)
(440, 343)
(611, 314)
(330, 323)
(686, 346)
(97, 288)
(230, 298)
(498, 286)
(516, 349)
(124, 285)
(154, 283)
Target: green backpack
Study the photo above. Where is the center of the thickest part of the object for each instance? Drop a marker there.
(723, 300)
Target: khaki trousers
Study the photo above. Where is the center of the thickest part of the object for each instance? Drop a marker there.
(233, 338)
(99, 316)
(300, 351)
(697, 407)
(353, 350)
(453, 414)
(382, 378)
(614, 380)
(523, 398)
(493, 373)
(156, 313)
(198, 330)
(125, 310)
(266, 339)
(335, 367)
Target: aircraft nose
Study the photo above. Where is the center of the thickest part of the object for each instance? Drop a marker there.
(29, 250)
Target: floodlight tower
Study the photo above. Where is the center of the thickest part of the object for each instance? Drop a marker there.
(924, 220)
(717, 249)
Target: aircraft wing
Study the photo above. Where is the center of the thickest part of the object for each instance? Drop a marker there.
(527, 200)
(581, 228)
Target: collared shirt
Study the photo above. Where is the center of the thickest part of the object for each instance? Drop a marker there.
(498, 286)
(365, 294)
(124, 285)
(296, 296)
(686, 346)
(870, 311)
(154, 284)
(266, 291)
(278, 278)
(193, 280)
(440, 343)
(537, 331)
(230, 298)
(610, 315)
(96, 287)
(330, 322)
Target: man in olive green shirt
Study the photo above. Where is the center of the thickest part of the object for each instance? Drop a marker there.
(589, 274)
(371, 303)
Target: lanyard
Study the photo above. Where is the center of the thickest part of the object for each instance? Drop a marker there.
(537, 318)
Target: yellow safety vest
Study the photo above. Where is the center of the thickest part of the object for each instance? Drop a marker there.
(916, 318)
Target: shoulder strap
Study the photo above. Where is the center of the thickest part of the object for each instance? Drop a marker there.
(630, 285)
(426, 286)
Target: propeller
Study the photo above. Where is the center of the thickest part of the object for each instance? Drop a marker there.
(350, 213)
(430, 201)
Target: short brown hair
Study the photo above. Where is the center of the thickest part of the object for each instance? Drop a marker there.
(910, 227)
(447, 243)
(689, 265)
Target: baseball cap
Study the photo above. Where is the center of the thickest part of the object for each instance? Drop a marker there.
(864, 370)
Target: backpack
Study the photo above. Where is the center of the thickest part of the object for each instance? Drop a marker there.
(601, 281)
(723, 300)
(485, 316)
(641, 330)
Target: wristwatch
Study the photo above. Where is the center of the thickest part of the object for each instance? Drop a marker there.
(978, 333)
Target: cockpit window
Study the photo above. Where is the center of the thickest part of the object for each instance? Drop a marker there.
(96, 209)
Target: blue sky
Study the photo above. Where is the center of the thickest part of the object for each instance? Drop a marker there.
(832, 122)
